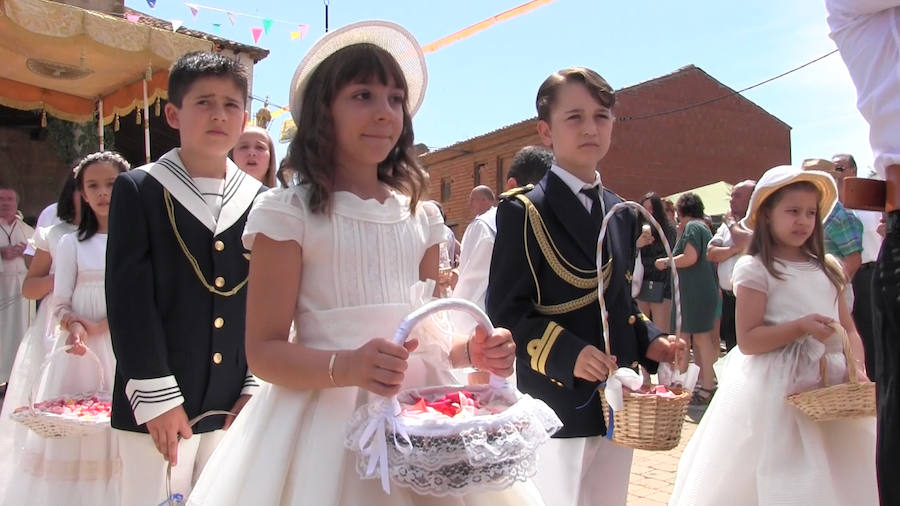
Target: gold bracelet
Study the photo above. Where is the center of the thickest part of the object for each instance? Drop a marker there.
(331, 369)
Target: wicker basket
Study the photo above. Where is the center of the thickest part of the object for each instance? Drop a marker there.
(57, 426)
(647, 422)
(846, 400)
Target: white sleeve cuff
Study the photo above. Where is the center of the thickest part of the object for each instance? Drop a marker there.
(251, 385)
(152, 397)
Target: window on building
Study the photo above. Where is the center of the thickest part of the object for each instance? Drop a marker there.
(445, 189)
(476, 175)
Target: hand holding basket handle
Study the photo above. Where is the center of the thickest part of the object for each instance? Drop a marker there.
(489, 348)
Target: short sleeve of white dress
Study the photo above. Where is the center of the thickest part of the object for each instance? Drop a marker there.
(433, 221)
(751, 273)
(279, 214)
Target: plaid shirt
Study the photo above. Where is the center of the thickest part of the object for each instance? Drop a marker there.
(843, 232)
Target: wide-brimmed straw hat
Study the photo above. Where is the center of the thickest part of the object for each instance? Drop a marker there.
(391, 37)
(778, 177)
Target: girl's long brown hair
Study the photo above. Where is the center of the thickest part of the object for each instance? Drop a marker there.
(762, 244)
(311, 151)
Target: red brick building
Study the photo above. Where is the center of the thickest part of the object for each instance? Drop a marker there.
(689, 145)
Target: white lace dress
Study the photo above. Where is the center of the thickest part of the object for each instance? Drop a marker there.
(752, 447)
(358, 264)
(80, 470)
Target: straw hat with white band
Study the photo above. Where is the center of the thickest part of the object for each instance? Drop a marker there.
(391, 37)
(778, 177)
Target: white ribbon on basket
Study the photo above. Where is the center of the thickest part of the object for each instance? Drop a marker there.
(372, 443)
(622, 377)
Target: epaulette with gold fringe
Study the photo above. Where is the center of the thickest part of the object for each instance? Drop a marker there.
(516, 191)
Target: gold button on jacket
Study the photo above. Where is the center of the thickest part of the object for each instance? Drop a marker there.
(219, 245)
(217, 358)
(220, 282)
(632, 319)
(219, 322)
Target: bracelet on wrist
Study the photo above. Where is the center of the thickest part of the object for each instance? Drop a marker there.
(468, 354)
(331, 369)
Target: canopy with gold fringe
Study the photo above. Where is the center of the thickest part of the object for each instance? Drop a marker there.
(63, 60)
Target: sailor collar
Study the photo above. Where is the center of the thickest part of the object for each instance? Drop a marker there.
(239, 191)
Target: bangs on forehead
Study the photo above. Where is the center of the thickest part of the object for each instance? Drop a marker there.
(367, 63)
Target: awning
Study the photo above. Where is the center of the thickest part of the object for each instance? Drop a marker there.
(63, 59)
(716, 197)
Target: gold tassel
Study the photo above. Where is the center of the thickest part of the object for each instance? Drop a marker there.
(156, 108)
(137, 116)
(116, 124)
(148, 75)
(43, 119)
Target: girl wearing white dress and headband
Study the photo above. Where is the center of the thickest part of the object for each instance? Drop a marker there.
(337, 255)
(752, 446)
(76, 470)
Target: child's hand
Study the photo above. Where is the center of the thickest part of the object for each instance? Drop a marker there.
(495, 353)
(165, 429)
(661, 264)
(669, 349)
(77, 335)
(594, 365)
(378, 366)
(816, 325)
(236, 409)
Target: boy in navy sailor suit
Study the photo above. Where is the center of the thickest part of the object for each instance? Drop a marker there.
(175, 284)
(543, 287)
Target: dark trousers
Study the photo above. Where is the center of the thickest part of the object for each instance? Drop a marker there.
(887, 362)
(864, 312)
(726, 327)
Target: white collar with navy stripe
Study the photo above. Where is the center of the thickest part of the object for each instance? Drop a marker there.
(239, 192)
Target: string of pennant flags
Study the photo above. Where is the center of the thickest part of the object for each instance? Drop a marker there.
(299, 30)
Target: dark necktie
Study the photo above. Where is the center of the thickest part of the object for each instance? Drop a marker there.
(596, 205)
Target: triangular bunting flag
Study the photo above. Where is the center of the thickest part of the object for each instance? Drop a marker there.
(257, 32)
(303, 29)
(230, 17)
(267, 25)
(295, 35)
(217, 27)
(194, 9)
(151, 3)
(133, 18)
(176, 24)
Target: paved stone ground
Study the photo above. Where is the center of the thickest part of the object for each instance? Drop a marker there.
(653, 473)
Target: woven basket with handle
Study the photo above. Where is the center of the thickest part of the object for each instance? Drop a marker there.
(57, 426)
(845, 400)
(647, 422)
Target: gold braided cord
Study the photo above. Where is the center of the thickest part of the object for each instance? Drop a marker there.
(567, 307)
(552, 254)
(537, 285)
(170, 209)
(540, 229)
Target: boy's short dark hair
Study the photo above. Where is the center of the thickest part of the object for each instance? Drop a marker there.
(530, 164)
(199, 64)
(596, 85)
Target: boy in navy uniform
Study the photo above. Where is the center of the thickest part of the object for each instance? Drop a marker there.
(543, 287)
(175, 284)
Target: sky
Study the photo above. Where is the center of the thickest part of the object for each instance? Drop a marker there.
(490, 79)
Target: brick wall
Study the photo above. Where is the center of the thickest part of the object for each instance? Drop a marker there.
(727, 140)
(30, 165)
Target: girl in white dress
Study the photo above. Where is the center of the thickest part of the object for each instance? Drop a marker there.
(79, 470)
(752, 447)
(337, 255)
(39, 338)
